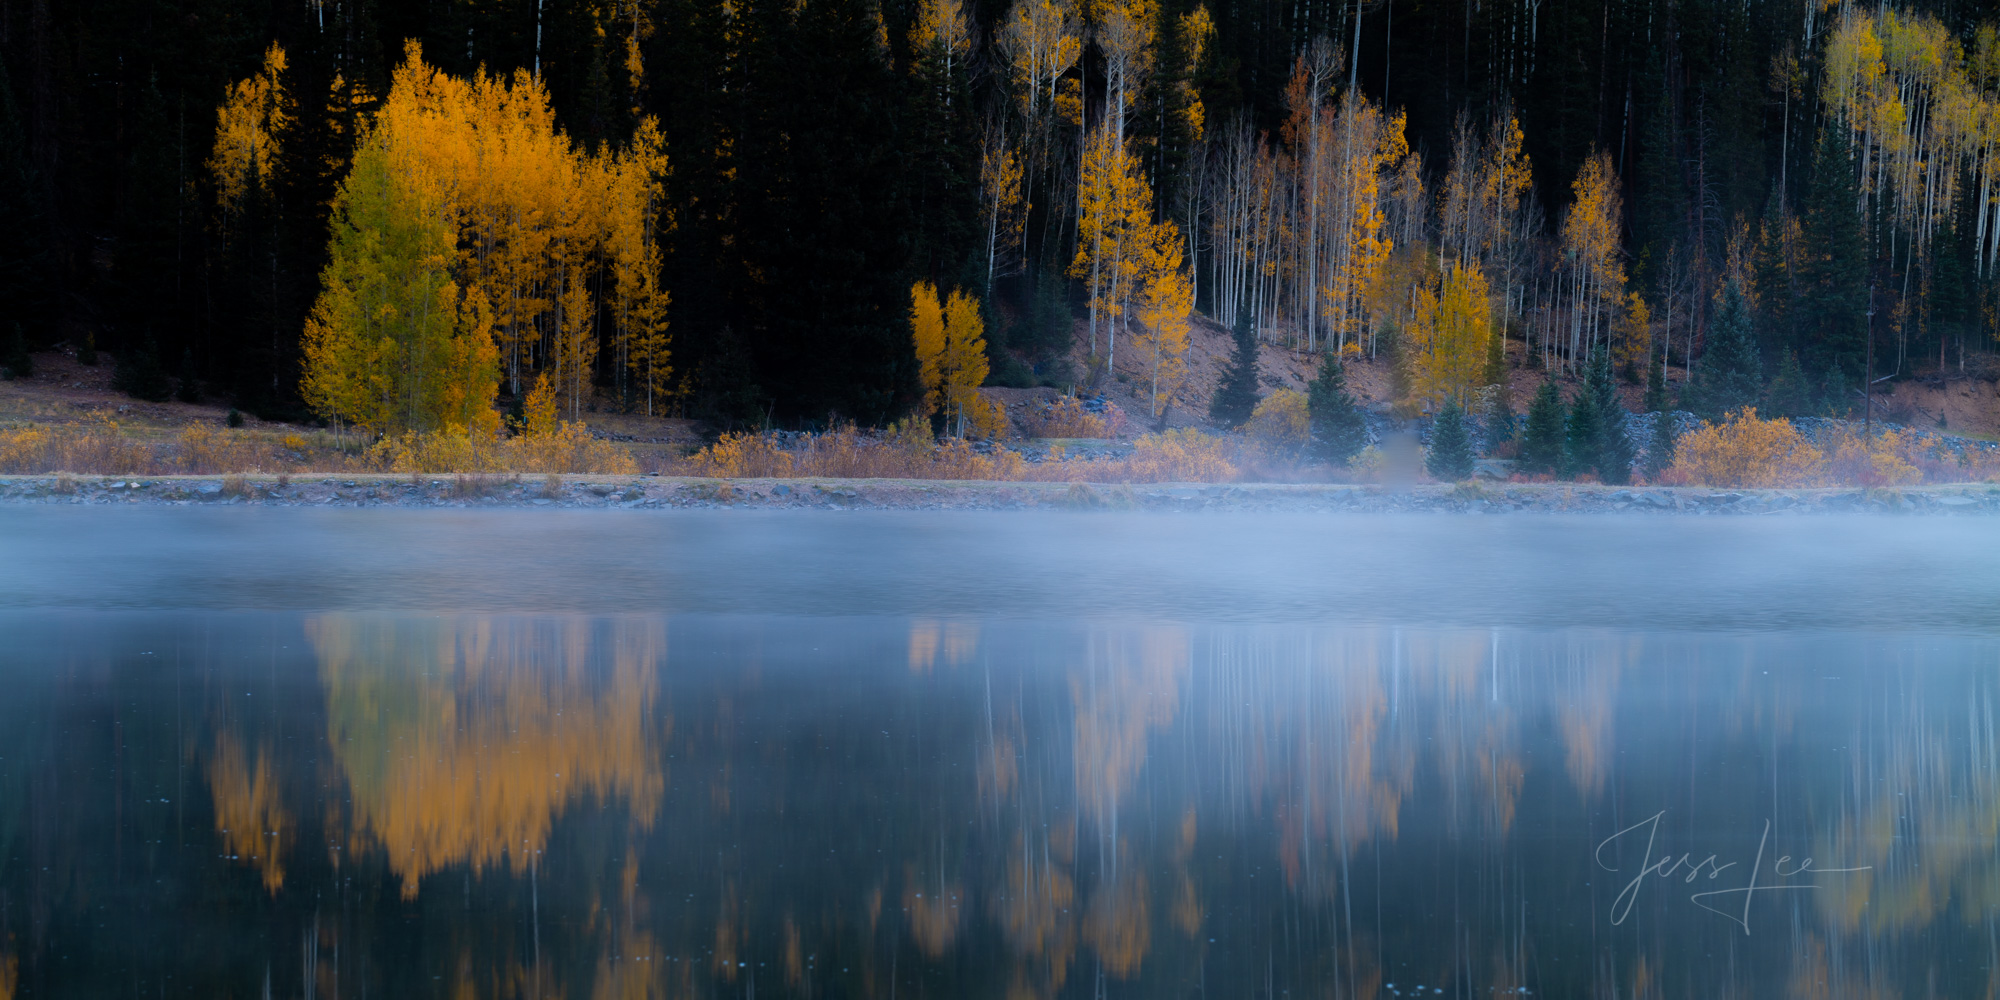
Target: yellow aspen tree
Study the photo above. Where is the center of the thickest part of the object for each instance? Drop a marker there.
(942, 27)
(962, 364)
(1594, 269)
(575, 360)
(1042, 39)
(1448, 334)
(1165, 301)
(254, 111)
(928, 337)
(1002, 199)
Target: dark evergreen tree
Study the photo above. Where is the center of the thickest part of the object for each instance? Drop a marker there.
(1542, 440)
(1660, 450)
(139, 373)
(1614, 446)
(190, 386)
(1338, 430)
(1236, 398)
(17, 362)
(1449, 458)
(1726, 376)
(1833, 282)
(1656, 386)
(1791, 392)
(1583, 435)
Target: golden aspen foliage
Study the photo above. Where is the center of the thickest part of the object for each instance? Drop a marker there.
(1747, 451)
(942, 28)
(1281, 420)
(1197, 30)
(927, 336)
(523, 212)
(253, 113)
(1448, 335)
(1114, 215)
(950, 341)
(1595, 267)
(540, 414)
(255, 827)
(1003, 201)
(1165, 301)
(387, 345)
(1042, 39)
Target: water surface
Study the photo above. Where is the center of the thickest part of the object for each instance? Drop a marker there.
(540, 754)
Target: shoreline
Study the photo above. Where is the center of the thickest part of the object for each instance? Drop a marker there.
(655, 492)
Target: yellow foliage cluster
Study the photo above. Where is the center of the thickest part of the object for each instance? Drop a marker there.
(1890, 458)
(1281, 420)
(950, 342)
(1748, 451)
(1066, 418)
(98, 446)
(907, 452)
(255, 111)
(1185, 455)
(568, 448)
(1448, 334)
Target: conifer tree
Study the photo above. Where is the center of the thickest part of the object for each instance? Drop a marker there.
(1614, 448)
(1660, 451)
(1497, 423)
(1450, 456)
(1727, 377)
(190, 388)
(1542, 441)
(1236, 398)
(1790, 393)
(1656, 386)
(1338, 430)
(1583, 435)
(139, 373)
(17, 362)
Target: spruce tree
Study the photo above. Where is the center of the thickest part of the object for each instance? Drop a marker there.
(1450, 456)
(1833, 280)
(17, 362)
(1236, 398)
(1542, 442)
(140, 375)
(190, 388)
(1656, 386)
(1583, 435)
(1727, 377)
(1660, 450)
(1338, 431)
(1614, 448)
(1791, 393)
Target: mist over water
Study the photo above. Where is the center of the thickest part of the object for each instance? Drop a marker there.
(540, 754)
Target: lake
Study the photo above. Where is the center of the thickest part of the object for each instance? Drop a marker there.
(540, 754)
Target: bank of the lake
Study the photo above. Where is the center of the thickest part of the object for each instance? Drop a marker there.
(664, 492)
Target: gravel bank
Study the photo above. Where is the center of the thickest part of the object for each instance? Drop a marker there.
(663, 493)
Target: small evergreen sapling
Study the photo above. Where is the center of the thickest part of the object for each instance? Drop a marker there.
(1583, 435)
(1236, 398)
(140, 375)
(1727, 377)
(1660, 451)
(1450, 456)
(17, 362)
(1338, 431)
(1542, 441)
(1791, 393)
(1614, 448)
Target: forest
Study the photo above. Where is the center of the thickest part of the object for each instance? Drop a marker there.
(411, 216)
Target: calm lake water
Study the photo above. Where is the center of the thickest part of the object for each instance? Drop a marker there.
(385, 753)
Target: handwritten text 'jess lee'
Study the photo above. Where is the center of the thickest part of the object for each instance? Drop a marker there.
(1687, 869)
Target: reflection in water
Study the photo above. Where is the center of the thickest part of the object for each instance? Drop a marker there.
(879, 808)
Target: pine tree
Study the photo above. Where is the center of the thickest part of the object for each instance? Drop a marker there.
(1790, 393)
(1236, 398)
(1614, 448)
(1727, 377)
(1833, 271)
(1660, 452)
(140, 375)
(1338, 430)
(17, 363)
(1583, 435)
(1656, 386)
(1542, 442)
(190, 388)
(1450, 456)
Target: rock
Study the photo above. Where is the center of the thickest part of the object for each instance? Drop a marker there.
(781, 490)
(1956, 501)
(601, 490)
(210, 489)
(543, 502)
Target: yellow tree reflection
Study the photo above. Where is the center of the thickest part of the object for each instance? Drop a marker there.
(463, 739)
(254, 825)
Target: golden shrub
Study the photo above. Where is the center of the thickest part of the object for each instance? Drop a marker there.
(1281, 420)
(1888, 459)
(1185, 455)
(1747, 451)
(738, 455)
(1066, 418)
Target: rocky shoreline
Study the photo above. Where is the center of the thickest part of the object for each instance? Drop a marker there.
(664, 493)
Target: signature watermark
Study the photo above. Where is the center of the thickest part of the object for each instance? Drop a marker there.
(1784, 873)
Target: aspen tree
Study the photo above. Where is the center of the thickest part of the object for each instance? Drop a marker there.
(253, 113)
(1448, 335)
(1165, 300)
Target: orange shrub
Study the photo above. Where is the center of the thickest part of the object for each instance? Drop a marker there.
(1884, 460)
(1180, 456)
(1747, 451)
